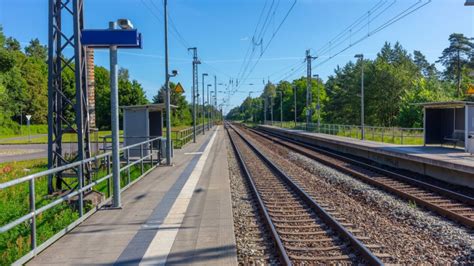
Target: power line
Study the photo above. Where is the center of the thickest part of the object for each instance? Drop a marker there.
(349, 28)
(411, 9)
(245, 74)
(249, 57)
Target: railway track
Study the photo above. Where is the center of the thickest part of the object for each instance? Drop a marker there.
(302, 231)
(450, 204)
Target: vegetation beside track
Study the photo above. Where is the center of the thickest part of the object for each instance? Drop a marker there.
(14, 203)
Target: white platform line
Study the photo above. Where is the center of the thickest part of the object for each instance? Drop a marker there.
(160, 247)
(193, 153)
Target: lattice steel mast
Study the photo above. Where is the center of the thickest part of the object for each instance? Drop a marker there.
(61, 105)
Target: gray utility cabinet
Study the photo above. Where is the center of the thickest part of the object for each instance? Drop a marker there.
(140, 123)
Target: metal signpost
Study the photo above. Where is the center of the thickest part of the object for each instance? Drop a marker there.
(179, 88)
(113, 38)
(281, 107)
(470, 89)
(208, 112)
(28, 118)
(203, 110)
(294, 88)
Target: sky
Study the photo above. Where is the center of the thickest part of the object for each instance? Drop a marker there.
(222, 30)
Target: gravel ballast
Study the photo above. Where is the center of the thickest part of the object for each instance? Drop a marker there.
(245, 213)
(410, 234)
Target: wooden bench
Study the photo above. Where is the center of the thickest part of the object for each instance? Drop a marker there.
(457, 139)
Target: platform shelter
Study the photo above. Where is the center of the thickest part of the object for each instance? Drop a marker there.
(142, 122)
(449, 123)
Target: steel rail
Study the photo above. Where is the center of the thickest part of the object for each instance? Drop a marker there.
(282, 254)
(396, 176)
(326, 217)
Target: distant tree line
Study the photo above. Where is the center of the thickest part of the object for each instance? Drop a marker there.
(394, 82)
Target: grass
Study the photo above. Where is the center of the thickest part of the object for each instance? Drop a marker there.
(23, 131)
(67, 138)
(14, 203)
(71, 137)
(388, 135)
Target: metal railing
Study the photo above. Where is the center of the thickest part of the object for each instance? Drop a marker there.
(395, 135)
(79, 189)
(184, 136)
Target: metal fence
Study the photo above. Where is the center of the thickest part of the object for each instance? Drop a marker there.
(184, 136)
(395, 135)
(102, 176)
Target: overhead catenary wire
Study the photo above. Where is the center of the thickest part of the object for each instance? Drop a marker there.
(259, 36)
(356, 31)
(411, 9)
(288, 71)
(245, 76)
(153, 8)
(360, 24)
(349, 28)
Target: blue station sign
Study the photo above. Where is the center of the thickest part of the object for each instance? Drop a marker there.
(108, 37)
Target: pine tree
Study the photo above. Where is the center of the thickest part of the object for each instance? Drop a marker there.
(455, 57)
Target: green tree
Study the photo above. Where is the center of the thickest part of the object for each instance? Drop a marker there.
(455, 57)
(2, 36)
(130, 93)
(427, 69)
(12, 44)
(102, 97)
(36, 50)
(182, 115)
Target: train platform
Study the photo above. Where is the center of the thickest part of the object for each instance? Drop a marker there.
(174, 215)
(447, 164)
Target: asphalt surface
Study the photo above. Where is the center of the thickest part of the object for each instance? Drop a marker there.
(25, 138)
(21, 152)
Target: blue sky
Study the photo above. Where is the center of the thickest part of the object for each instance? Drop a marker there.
(222, 31)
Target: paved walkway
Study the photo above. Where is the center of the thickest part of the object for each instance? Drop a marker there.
(175, 215)
(444, 156)
(20, 152)
(25, 138)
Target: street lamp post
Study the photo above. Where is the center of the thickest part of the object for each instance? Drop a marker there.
(281, 107)
(271, 110)
(318, 105)
(213, 116)
(215, 99)
(203, 110)
(167, 88)
(196, 62)
(362, 129)
(251, 106)
(294, 98)
(208, 112)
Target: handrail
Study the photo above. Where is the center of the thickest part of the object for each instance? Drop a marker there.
(184, 136)
(398, 135)
(77, 191)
